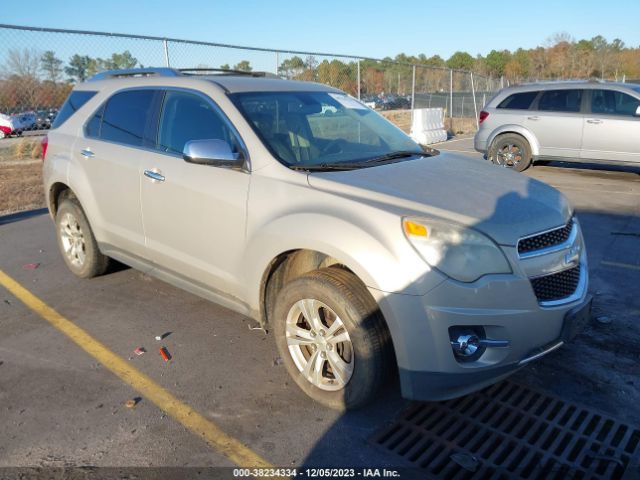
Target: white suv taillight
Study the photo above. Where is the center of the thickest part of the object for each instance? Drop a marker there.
(482, 117)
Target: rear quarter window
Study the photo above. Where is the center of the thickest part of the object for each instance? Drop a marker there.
(74, 102)
(518, 101)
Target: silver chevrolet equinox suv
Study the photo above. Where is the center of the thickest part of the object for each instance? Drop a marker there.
(295, 204)
(594, 122)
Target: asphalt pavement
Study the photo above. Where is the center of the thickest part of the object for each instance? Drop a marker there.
(60, 406)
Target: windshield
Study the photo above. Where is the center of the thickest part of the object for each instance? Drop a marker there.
(322, 128)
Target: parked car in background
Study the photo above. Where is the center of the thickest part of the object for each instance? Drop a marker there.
(360, 252)
(395, 102)
(596, 122)
(44, 119)
(17, 123)
(371, 101)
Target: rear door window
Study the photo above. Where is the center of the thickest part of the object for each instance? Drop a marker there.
(560, 101)
(612, 102)
(126, 118)
(518, 101)
(75, 100)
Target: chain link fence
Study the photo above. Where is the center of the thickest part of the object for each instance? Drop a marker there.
(39, 66)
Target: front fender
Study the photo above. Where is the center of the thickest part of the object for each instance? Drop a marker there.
(382, 260)
(520, 130)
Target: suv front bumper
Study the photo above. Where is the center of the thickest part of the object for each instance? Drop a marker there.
(503, 305)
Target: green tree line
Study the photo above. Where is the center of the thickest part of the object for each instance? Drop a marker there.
(40, 79)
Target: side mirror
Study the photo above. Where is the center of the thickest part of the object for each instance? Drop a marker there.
(213, 152)
(637, 114)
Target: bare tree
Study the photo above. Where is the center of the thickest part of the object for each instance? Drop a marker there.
(23, 63)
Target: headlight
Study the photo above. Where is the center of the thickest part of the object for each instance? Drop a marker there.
(461, 253)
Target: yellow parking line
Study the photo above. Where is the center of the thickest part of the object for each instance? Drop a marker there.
(620, 265)
(183, 413)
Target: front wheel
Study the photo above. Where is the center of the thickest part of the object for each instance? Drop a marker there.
(511, 151)
(332, 338)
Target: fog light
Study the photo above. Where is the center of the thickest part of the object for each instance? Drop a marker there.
(466, 345)
(470, 342)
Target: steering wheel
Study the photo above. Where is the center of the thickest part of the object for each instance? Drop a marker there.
(338, 142)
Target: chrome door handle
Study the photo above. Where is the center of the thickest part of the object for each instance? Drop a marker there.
(87, 153)
(158, 177)
(595, 121)
(535, 117)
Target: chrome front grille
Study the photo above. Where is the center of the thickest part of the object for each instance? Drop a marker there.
(545, 240)
(561, 252)
(557, 285)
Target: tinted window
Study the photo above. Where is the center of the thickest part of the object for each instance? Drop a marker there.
(126, 115)
(518, 101)
(186, 117)
(613, 103)
(74, 101)
(560, 100)
(92, 128)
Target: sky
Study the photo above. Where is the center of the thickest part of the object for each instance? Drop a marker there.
(363, 28)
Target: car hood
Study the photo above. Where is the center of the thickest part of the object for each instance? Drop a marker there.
(503, 204)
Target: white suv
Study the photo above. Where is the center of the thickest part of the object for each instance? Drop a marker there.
(569, 121)
(295, 204)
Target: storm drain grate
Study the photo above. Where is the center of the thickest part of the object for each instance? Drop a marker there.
(510, 431)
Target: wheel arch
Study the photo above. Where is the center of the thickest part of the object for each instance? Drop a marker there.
(518, 130)
(57, 192)
(287, 266)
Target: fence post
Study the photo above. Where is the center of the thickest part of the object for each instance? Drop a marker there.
(358, 79)
(413, 92)
(277, 62)
(451, 96)
(475, 106)
(165, 45)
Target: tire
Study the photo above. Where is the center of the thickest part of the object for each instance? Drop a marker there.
(366, 354)
(511, 151)
(77, 242)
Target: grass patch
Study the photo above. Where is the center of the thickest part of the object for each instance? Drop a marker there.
(20, 175)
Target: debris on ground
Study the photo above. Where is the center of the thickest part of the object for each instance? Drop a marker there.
(139, 350)
(30, 266)
(7, 302)
(133, 402)
(166, 356)
(278, 361)
(603, 319)
(163, 336)
(466, 461)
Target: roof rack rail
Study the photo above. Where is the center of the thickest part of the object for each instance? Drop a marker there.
(225, 71)
(135, 72)
(172, 72)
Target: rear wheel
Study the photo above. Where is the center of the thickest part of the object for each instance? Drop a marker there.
(77, 242)
(511, 151)
(2, 135)
(332, 338)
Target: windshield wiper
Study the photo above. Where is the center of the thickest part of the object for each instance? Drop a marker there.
(395, 156)
(326, 167)
(338, 166)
